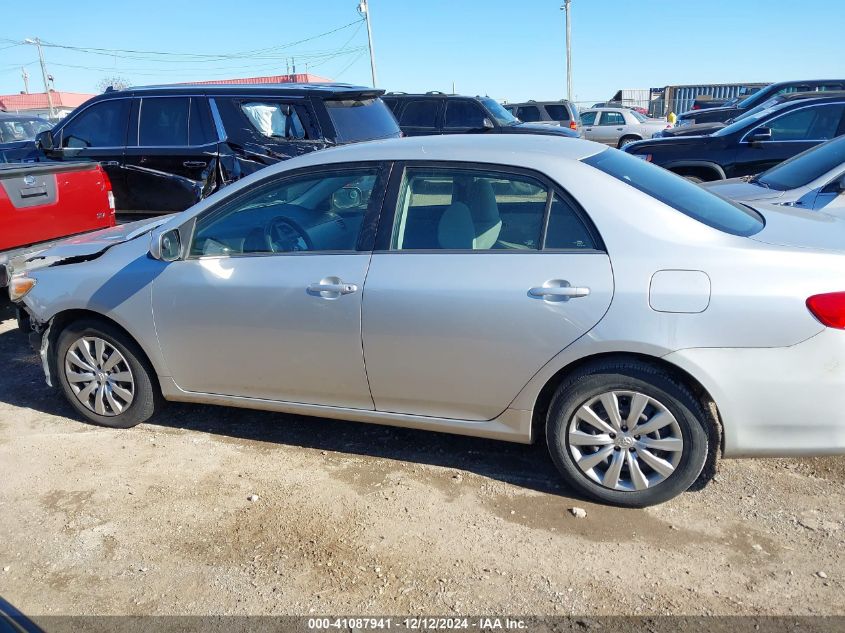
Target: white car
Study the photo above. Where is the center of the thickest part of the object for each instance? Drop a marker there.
(619, 126)
(814, 179)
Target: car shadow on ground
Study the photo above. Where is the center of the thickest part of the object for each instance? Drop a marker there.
(527, 466)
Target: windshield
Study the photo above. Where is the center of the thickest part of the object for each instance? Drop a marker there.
(679, 193)
(361, 120)
(804, 168)
(755, 97)
(498, 112)
(14, 130)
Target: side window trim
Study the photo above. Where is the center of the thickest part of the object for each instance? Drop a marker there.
(390, 204)
(369, 225)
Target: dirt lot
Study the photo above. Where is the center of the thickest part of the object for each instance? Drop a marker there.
(355, 519)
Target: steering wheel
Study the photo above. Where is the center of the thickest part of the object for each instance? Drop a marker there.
(283, 235)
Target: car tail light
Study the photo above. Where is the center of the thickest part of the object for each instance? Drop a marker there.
(829, 309)
(109, 192)
(573, 125)
(696, 107)
(111, 201)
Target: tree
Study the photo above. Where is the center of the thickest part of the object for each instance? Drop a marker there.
(116, 82)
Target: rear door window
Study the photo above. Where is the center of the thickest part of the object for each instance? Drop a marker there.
(612, 118)
(274, 119)
(163, 122)
(200, 126)
(357, 119)
(421, 113)
(529, 114)
(588, 118)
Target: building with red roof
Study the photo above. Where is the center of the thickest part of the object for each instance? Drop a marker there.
(36, 103)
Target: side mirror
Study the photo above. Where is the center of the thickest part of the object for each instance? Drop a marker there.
(487, 124)
(347, 198)
(760, 134)
(166, 246)
(44, 140)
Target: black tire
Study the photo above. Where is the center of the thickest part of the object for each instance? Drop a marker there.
(628, 375)
(147, 397)
(625, 140)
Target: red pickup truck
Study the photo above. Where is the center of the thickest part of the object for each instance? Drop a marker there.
(42, 202)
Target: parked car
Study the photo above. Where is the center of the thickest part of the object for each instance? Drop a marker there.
(700, 129)
(165, 148)
(439, 113)
(733, 109)
(619, 104)
(16, 132)
(619, 126)
(639, 299)
(563, 113)
(41, 202)
(814, 179)
(751, 144)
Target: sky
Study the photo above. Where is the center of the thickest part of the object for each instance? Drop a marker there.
(506, 49)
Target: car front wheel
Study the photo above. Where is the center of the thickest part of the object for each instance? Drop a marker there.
(627, 433)
(104, 375)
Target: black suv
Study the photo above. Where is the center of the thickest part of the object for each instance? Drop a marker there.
(439, 113)
(734, 108)
(166, 147)
(753, 143)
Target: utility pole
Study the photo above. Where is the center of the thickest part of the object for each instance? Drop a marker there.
(44, 75)
(565, 8)
(25, 76)
(364, 10)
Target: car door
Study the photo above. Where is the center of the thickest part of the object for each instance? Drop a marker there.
(471, 290)
(610, 127)
(97, 133)
(463, 116)
(267, 302)
(588, 124)
(791, 133)
(420, 117)
(171, 154)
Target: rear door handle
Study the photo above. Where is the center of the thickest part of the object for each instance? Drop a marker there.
(571, 292)
(619, 129)
(194, 163)
(109, 163)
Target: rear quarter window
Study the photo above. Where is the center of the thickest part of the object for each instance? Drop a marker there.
(361, 119)
(678, 193)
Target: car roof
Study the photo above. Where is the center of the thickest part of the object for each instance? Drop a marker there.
(294, 89)
(532, 102)
(806, 81)
(433, 94)
(528, 150)
(800, 96)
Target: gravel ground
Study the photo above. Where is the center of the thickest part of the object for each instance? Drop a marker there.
(356, 519)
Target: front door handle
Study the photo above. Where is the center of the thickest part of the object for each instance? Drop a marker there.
(109, 163)
(569, 292)
(194, 163)
(331, 288)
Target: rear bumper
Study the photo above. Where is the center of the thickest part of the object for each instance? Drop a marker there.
(776, 402)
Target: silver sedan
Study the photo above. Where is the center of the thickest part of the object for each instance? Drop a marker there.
(814, 179)
(619, 126)
(507, 287)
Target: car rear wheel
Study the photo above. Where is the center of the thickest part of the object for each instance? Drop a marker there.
(104, 375)
(627, 433)
(626, 140)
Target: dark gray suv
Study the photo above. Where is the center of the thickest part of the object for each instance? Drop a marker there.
(563, 113)
(440, 113)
